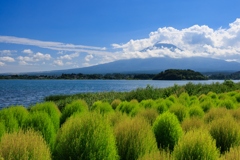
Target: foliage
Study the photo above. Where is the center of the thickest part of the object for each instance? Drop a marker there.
(196, 111)
(2, 129)
(9, 121)
(51, 109)
(102, 107)
(86, 136)
(41, 122)
(76, 106)
(128, 107)
(180, 111)
(149, 114)
(134, 138)
(178, 74)
(226, 132)
(115, 103)
(24, 146)
(167, 130)
(196, 145)
(192, 123)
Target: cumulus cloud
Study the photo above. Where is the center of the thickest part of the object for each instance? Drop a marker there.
(7, 59)
(35, 57)
(69, 56)
(193, 41)
(2, 64)
(27, 51)
(88, 57)
(58, 62)
(7, 52)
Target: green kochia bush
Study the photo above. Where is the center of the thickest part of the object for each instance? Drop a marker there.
(76, 106)
(51, 109)
(2, 129)
(20, 113)
(167, 130)
(196, 111)
(86, 136)
(134, 138)
(180, 111)
(41, 122)
(226, 132)
(9, 121)
(102, 107)
(24, 146)
(128, 107)
(196, 145)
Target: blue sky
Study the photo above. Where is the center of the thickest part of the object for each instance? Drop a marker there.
(51, 35)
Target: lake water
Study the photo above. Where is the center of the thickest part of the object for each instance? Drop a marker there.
(28, 92)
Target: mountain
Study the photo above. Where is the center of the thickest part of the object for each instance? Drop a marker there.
(156, 65)
(161, 46)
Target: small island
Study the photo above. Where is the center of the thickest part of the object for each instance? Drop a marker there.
(178, 74)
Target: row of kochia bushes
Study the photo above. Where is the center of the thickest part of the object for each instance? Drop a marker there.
(177, 127)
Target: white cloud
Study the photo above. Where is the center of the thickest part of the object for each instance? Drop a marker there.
(88, 57)
(2, 64)
(27, 51)
(7, 52)
(7, 59)
(35, 57)
(50, 45)
(23, 63)
(193, 41)
(58, 62)
(69, 56)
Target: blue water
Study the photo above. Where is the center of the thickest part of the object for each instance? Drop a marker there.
(29, 92)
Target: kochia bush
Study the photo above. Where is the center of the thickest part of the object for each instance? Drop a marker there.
(86, 136)
(24, 145)
(51, 109)
(134, 138)
(226, 132)
(41, 122)
(77, 106)
(196, 145)
(167, 130)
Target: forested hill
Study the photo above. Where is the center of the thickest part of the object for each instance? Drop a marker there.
(178, 74)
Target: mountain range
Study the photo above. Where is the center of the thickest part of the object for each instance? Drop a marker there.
(156, 65)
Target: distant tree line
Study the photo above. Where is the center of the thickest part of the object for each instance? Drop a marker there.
(170, 74)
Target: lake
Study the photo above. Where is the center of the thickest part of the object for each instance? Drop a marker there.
(29, 92)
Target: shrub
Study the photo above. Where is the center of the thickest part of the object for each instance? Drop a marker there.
(147, 103)
(226, 132)
(41, 122)
(227, 104)
(167, 130)
(180, 111)
(162, 155)
(236, 114)
(7, 118)
(134, 138)
(149, 114)
(24, 146)
(115, 117)
(196, 111)
(20, 113)
(127, 107)
(215, 113)
(212, 95)
(115, 103)
(86, 136)
(232, 154)
(76, 106)
(161, 106)
(51, 109)
(184, 99)
(102, 107)
(206, 105)
(194, 101)
(2, 129)
(237, 97)
(196, 145)
(192, 123)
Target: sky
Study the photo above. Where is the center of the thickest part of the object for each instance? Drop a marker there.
(62, 34)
